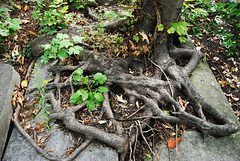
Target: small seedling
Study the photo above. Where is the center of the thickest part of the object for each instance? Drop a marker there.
(92, 90)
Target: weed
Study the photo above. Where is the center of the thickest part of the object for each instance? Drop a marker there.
(61, 47)
(91, 91)
(41, 95)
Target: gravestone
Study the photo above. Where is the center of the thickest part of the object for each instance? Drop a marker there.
(8, 78)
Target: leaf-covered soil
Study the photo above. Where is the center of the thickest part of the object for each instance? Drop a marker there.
(226, 70)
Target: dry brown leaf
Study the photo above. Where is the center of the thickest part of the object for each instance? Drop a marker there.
(20, 59)
(25, 21)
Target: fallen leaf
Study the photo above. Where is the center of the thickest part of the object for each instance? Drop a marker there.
(46, 81)
(120, 99)
(144, 37)
(181, 103)
(20, 60)
(15, 51)
(50, 150)
(24, 84)
(172, 142)
(25, 21)
(25, 7)
(32, 32)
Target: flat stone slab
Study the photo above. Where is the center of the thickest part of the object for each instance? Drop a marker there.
(19, 149)
(192, 147)
(8, 78)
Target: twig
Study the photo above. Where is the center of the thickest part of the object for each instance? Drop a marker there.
(141, 132)
(164, 75)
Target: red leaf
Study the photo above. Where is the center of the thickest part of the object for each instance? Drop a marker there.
(172, 142)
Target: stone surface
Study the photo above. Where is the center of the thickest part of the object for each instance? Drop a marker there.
(19, 149)
(192, 147)
(8, 78)
(235, 1)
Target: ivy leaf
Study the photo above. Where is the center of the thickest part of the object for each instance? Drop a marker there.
(64, 9)
(75, 50)
(65, 43)
(4, 32)
(62, 36)
(182, 39)
(99, 97)
(160, 27)
(62, 53)
(79, 71)
(44, 59)
(127, 13)
(14, 24)
(171, 30)
(77, 39)
(111, 15)
(90, 104)
(181, 27)
(103, 89)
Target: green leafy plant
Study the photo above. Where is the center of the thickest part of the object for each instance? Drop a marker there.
(55, 18)
(40, 94)
(92, 90)
(8, 26)
(213, 16)
(61, 47)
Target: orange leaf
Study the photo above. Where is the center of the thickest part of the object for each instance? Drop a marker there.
(32, 32)
(172, 142)
(25, 7)
(50, 150)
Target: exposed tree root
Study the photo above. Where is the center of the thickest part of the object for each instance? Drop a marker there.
(157, 92)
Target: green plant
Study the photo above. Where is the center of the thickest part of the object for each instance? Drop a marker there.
(8, 26)
(92, 91)
(179, 27)
(40, 94)
(214, 17)
(55, 18)
(61, 47)
(80, 4)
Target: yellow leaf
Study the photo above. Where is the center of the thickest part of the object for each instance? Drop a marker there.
(46, 81)
(24, 83)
